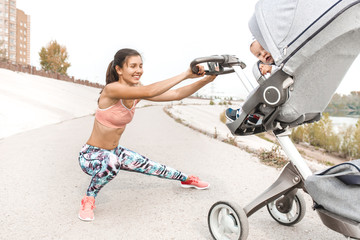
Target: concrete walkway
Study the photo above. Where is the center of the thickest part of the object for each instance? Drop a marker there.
(42, 185)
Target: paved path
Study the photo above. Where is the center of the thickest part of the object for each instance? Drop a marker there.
(42, 185)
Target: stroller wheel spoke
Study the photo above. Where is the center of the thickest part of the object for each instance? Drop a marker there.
(221, 229)
(223, 213)
(289, 216)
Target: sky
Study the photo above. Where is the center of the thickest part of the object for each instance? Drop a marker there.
(168, 34)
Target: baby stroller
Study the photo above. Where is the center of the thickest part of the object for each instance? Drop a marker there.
(313, 43)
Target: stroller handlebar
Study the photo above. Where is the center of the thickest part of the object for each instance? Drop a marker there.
(217, 64)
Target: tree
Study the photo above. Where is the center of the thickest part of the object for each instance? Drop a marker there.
(54, 58)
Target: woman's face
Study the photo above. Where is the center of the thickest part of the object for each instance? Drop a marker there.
(131, 71)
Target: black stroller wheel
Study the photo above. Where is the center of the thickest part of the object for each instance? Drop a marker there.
(227, 220)
(293, 215)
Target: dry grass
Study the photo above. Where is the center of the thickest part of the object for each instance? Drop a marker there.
(222, 117)
(273, 157)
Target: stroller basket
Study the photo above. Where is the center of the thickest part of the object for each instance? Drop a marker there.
(337, 189)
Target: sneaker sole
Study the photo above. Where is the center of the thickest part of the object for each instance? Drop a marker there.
(86, 219)
(192, 186)
(231, 120)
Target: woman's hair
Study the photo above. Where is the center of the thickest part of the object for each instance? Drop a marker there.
(119, 59)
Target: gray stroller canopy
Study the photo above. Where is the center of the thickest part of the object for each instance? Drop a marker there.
(281, 26)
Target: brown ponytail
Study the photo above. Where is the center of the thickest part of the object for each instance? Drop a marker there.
(111, 74)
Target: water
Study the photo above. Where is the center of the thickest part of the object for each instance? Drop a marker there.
(343, 122)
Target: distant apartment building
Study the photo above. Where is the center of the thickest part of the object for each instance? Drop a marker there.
(14, 33)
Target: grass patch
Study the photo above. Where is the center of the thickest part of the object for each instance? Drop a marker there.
(273, 157)
(216, 133)
(231, 140)
(327, 163)
(179, 120)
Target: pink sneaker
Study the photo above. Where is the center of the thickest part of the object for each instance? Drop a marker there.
(86, 212)
(195, 182)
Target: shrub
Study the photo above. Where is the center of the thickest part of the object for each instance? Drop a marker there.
(273, 157)
(347, 144)
(356, 137)
(298, 134)
(223, 117)
(319, 134)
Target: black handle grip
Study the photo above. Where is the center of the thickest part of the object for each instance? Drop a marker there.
(225, 63)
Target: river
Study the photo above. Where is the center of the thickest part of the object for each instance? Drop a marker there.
(341, 123)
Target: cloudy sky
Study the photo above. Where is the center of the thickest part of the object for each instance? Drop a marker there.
(168, 34)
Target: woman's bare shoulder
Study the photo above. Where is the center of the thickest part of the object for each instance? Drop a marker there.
(112, 86)
(105, 99)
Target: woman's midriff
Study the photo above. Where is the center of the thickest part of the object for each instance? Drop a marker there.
(105, 137)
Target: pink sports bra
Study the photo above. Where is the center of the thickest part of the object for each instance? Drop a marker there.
(116, 116)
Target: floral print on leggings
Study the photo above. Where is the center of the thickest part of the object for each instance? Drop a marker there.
(103, 165)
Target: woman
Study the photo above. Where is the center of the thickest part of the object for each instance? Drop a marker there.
(102, 157)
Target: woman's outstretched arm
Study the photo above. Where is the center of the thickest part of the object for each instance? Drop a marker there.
(183, 92)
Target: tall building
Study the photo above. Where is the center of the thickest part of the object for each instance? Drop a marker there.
(14, 33)
(22, 37)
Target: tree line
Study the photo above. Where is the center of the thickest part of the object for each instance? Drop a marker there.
(341, 105)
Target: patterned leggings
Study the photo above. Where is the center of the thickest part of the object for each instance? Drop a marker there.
(103, 165)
